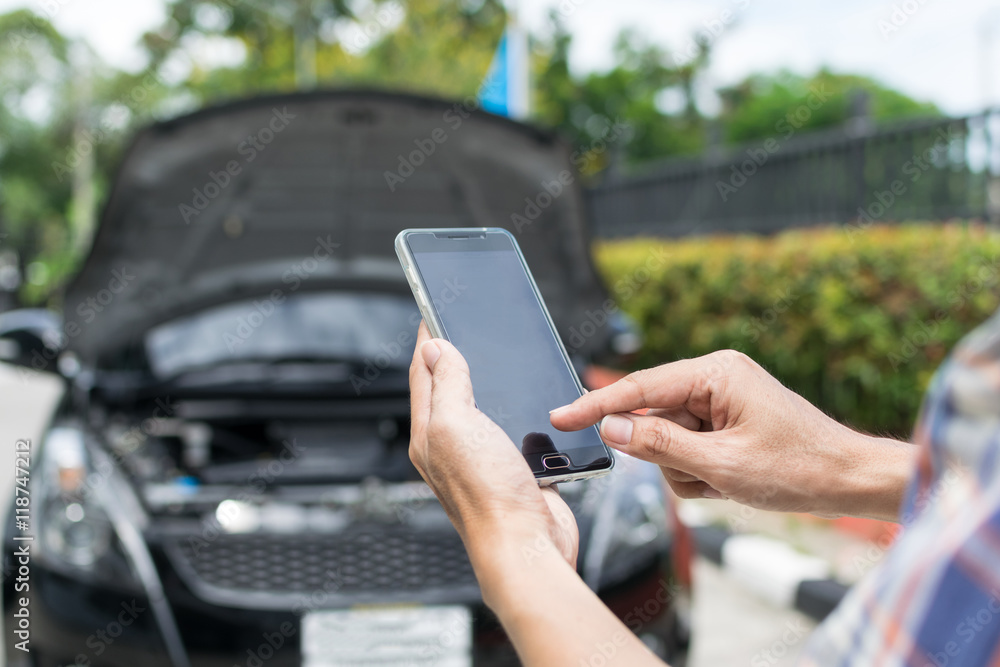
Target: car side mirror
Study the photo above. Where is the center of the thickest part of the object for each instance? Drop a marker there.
(32, 338)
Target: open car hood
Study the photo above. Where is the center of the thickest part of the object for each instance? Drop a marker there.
(238, 200)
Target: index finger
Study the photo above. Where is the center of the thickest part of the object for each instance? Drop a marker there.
(667, 386)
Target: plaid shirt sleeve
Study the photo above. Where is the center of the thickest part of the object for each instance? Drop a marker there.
(934, 599)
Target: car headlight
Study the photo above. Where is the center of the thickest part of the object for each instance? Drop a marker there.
(630, 528)
(75, 535)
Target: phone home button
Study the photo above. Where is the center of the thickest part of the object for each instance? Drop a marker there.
(555, 461)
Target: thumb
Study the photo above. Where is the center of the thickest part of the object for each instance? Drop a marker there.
(658, 441)
(451, 385)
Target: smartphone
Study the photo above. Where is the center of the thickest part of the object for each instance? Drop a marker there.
(474, 289)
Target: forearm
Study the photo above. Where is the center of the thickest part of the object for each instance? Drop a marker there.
(550, 615)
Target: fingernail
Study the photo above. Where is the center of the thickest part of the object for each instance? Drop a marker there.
(430, 352)
(617, 429)
(711, 493)
(559, 409)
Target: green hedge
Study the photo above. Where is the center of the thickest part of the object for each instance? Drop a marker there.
(856, 320)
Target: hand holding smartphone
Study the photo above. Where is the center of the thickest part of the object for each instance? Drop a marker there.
(473, 288)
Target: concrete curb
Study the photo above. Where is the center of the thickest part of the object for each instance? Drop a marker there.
(772, 570)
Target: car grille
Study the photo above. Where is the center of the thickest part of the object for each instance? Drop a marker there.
(377, 565)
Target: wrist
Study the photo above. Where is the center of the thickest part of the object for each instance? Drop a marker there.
(878, 472)
(506, 557)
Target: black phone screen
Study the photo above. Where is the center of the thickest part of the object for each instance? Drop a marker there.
(488, 309)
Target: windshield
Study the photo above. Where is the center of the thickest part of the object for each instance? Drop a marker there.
(363, 327)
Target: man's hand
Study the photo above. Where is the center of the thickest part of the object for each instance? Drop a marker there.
(475, 470)
(722, 427)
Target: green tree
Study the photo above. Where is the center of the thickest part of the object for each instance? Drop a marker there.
(631, 92)
(34, 125)
(443, 47)
(437, 47)
(61, 130)
(752, 108)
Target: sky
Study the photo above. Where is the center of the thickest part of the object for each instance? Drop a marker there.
(943, 51)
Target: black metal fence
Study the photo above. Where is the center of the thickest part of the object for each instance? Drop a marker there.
(921, 170)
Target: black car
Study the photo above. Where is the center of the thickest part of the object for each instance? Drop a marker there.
(226, 481)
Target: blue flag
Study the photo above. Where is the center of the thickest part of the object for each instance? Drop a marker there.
(504, 91)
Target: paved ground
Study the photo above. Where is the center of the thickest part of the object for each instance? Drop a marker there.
(732, 627)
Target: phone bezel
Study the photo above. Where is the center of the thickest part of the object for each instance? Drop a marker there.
(437, 330)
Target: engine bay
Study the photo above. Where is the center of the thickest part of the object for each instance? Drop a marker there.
(269, 466)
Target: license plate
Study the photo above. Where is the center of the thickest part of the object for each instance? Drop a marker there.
(388, 637)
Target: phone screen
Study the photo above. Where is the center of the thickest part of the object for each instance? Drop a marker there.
(488, 309)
